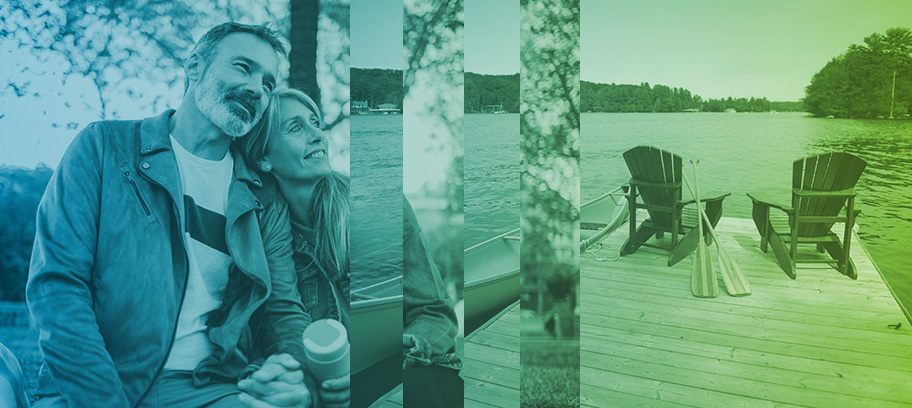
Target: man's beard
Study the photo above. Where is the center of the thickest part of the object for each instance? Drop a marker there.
(234, 112)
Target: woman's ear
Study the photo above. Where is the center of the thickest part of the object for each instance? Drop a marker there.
(264, 165)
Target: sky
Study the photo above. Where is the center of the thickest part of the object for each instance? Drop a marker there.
(376, 34)
(718, 49)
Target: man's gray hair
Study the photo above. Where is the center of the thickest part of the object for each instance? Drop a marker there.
(205, 48)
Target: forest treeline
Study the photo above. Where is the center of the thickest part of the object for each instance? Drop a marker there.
(377, 86)
(860, 82)
(482, 92)
(491, 90)
(596, 97)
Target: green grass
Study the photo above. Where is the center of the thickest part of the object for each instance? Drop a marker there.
(550, 373)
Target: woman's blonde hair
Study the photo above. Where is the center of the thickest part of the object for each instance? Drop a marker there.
(331, 199)
(331, 210)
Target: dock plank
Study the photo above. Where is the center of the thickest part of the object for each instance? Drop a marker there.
(491, 366)
(610, 389)
(820, 341)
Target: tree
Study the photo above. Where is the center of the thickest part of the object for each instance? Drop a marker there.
(550, 184)
(873, 79)
(304, 15)
(134, 51)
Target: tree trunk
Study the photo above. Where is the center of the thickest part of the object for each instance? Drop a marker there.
(303, 56)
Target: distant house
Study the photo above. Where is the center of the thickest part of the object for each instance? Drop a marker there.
(359, 107)
(493, 109)
(388, 106)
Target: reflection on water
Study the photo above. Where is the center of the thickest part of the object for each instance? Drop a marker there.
(754, 152)
(886, 221)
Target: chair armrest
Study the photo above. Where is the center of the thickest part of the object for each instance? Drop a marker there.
(708, 197)
(849, 192)
(765, 199)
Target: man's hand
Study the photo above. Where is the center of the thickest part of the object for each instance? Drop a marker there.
(336, 392)
(278, 383)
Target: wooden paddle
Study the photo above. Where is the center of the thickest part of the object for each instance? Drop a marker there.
(703, 280)
(735, 281)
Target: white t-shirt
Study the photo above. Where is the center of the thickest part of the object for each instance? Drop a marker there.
(205, 194)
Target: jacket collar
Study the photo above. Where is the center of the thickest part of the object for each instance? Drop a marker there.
(154, 134)
(154, 137)
(242, 171)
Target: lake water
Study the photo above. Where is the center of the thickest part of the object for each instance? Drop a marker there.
(737, 152)
(376, 193)
(491, 188)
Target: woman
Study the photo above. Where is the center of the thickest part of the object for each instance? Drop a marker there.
(289, 148)
(289, 144)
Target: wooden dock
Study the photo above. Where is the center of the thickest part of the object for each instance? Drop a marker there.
(491, 365)
(822, 340)
(491, 371)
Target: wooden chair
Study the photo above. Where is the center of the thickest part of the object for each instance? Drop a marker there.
(655, 185)
(823, 193)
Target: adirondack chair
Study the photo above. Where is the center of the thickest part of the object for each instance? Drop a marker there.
(822, 186)
(655, 185)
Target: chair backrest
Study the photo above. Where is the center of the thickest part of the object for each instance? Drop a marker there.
(653, 165)
(825, 172)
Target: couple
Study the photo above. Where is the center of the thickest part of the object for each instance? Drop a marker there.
(173, 254)
(165, 269)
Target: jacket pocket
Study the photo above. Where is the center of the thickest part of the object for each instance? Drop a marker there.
(309, 288)
(142, 202)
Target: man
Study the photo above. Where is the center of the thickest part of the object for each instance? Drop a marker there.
(153, 259)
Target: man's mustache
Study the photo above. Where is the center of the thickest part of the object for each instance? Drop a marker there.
(248, 101)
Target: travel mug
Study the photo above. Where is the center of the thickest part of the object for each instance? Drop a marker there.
(327, 349)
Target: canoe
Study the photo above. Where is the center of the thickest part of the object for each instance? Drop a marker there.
(491, 284)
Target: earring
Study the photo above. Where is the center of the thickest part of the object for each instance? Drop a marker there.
(265, 166)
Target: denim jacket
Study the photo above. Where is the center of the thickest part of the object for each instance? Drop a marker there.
(317, 290)
(314, 286)
(430, 325)
(109, 270)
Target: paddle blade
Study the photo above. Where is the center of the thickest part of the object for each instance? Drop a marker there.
(735, 281)
(703, 280)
